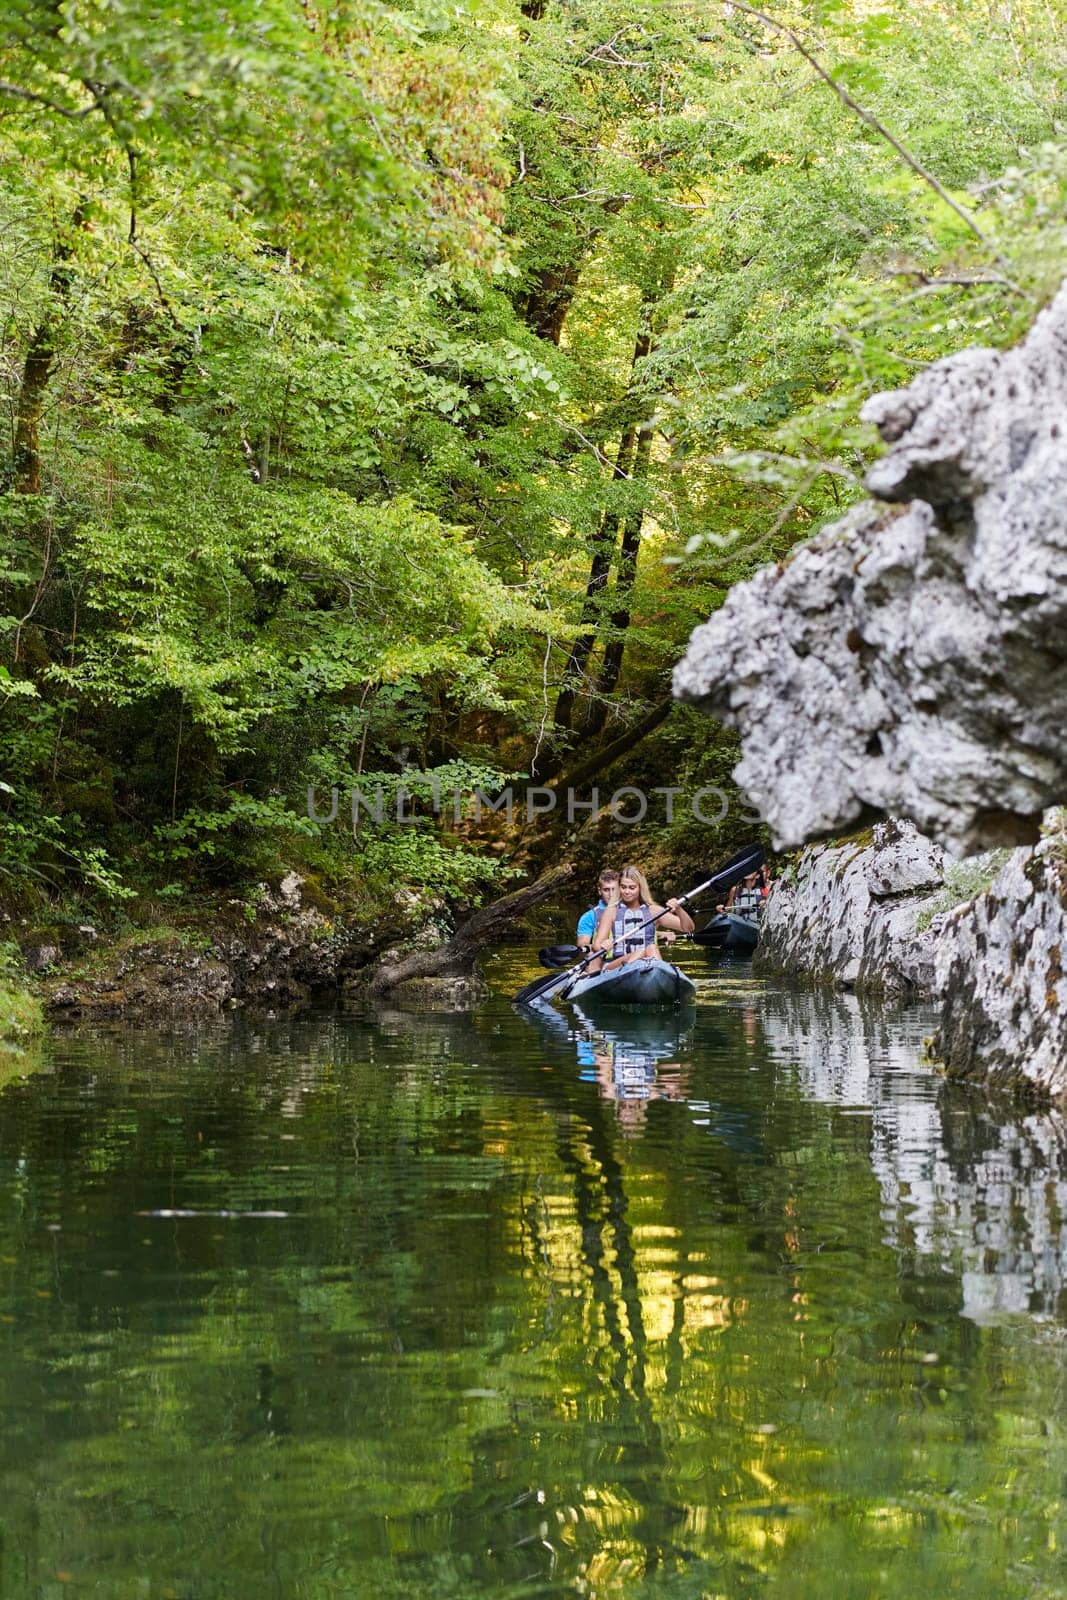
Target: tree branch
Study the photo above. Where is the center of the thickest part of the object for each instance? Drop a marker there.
(872, 122)
(459, 953)
(18, 93)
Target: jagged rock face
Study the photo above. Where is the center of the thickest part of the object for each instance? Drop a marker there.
(914, 664)
(849, 915)
(999, 972)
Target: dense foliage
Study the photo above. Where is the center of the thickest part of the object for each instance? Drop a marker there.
(392, 387)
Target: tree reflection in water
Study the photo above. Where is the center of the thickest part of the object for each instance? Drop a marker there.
(442, 1307)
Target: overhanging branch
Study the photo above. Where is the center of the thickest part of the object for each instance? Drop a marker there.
(872, 122)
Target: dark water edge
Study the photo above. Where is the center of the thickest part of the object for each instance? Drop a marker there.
(748, 1302)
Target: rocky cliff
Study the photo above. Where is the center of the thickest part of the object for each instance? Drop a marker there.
(913, 662)
(999, 975)
(983, 939)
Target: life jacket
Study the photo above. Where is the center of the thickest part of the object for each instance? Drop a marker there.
(748, 902)
(625, 942)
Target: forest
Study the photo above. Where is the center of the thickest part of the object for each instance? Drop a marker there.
(388, 390)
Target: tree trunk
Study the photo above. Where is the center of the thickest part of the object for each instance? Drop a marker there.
(626, 571)
(549, 299)
(37, 368)
(458, 955)
(603, 545)
(603, 551)
(624, 584)
(600, 760)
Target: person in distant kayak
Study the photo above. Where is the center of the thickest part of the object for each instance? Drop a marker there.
(587, 922)
(746, 898)
(626, 926)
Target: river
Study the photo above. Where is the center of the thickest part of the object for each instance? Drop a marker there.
(743, 1303)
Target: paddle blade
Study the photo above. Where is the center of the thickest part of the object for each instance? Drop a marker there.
(748, 859)
(542, 988)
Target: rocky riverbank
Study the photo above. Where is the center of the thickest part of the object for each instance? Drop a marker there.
(889, 914)
(849, 915)
(280, 952)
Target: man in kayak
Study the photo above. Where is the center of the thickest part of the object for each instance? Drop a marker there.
(588, 920)
(626, 924)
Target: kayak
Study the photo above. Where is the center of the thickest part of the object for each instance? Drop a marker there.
(736, 935)
(650, 982)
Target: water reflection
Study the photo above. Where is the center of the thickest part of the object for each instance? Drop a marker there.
(444, 1307)
(632, 1057)
(968, 1183)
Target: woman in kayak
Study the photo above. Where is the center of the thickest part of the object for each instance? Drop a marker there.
(746, 898)
(626, 924)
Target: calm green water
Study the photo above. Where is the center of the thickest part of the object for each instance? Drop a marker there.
(425, 1306)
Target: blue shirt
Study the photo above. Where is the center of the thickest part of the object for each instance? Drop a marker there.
(588, 920)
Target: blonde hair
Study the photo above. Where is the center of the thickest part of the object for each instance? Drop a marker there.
(641, 880)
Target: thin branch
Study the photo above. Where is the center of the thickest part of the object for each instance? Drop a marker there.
(146, 259)
(603, 197)
(872, 122)
(740, 552)
(131, 158)
(605, 461)
(962, 280)
(613, 60)
(18, 93)
(549, 642)
(779, 458)
(596, 53)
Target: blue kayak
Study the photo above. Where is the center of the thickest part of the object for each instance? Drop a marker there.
(650, 982)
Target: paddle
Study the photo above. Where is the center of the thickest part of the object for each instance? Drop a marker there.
(757, 853)
(744, 861)
(561, 955)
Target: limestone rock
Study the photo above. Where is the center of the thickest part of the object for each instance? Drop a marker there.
(873, 916)
(41, 957)
(1000, 975)
(913, 663)
(849, 915)
(289, 891)
(159, 978)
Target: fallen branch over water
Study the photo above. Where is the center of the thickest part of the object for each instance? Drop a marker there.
(458, 955)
